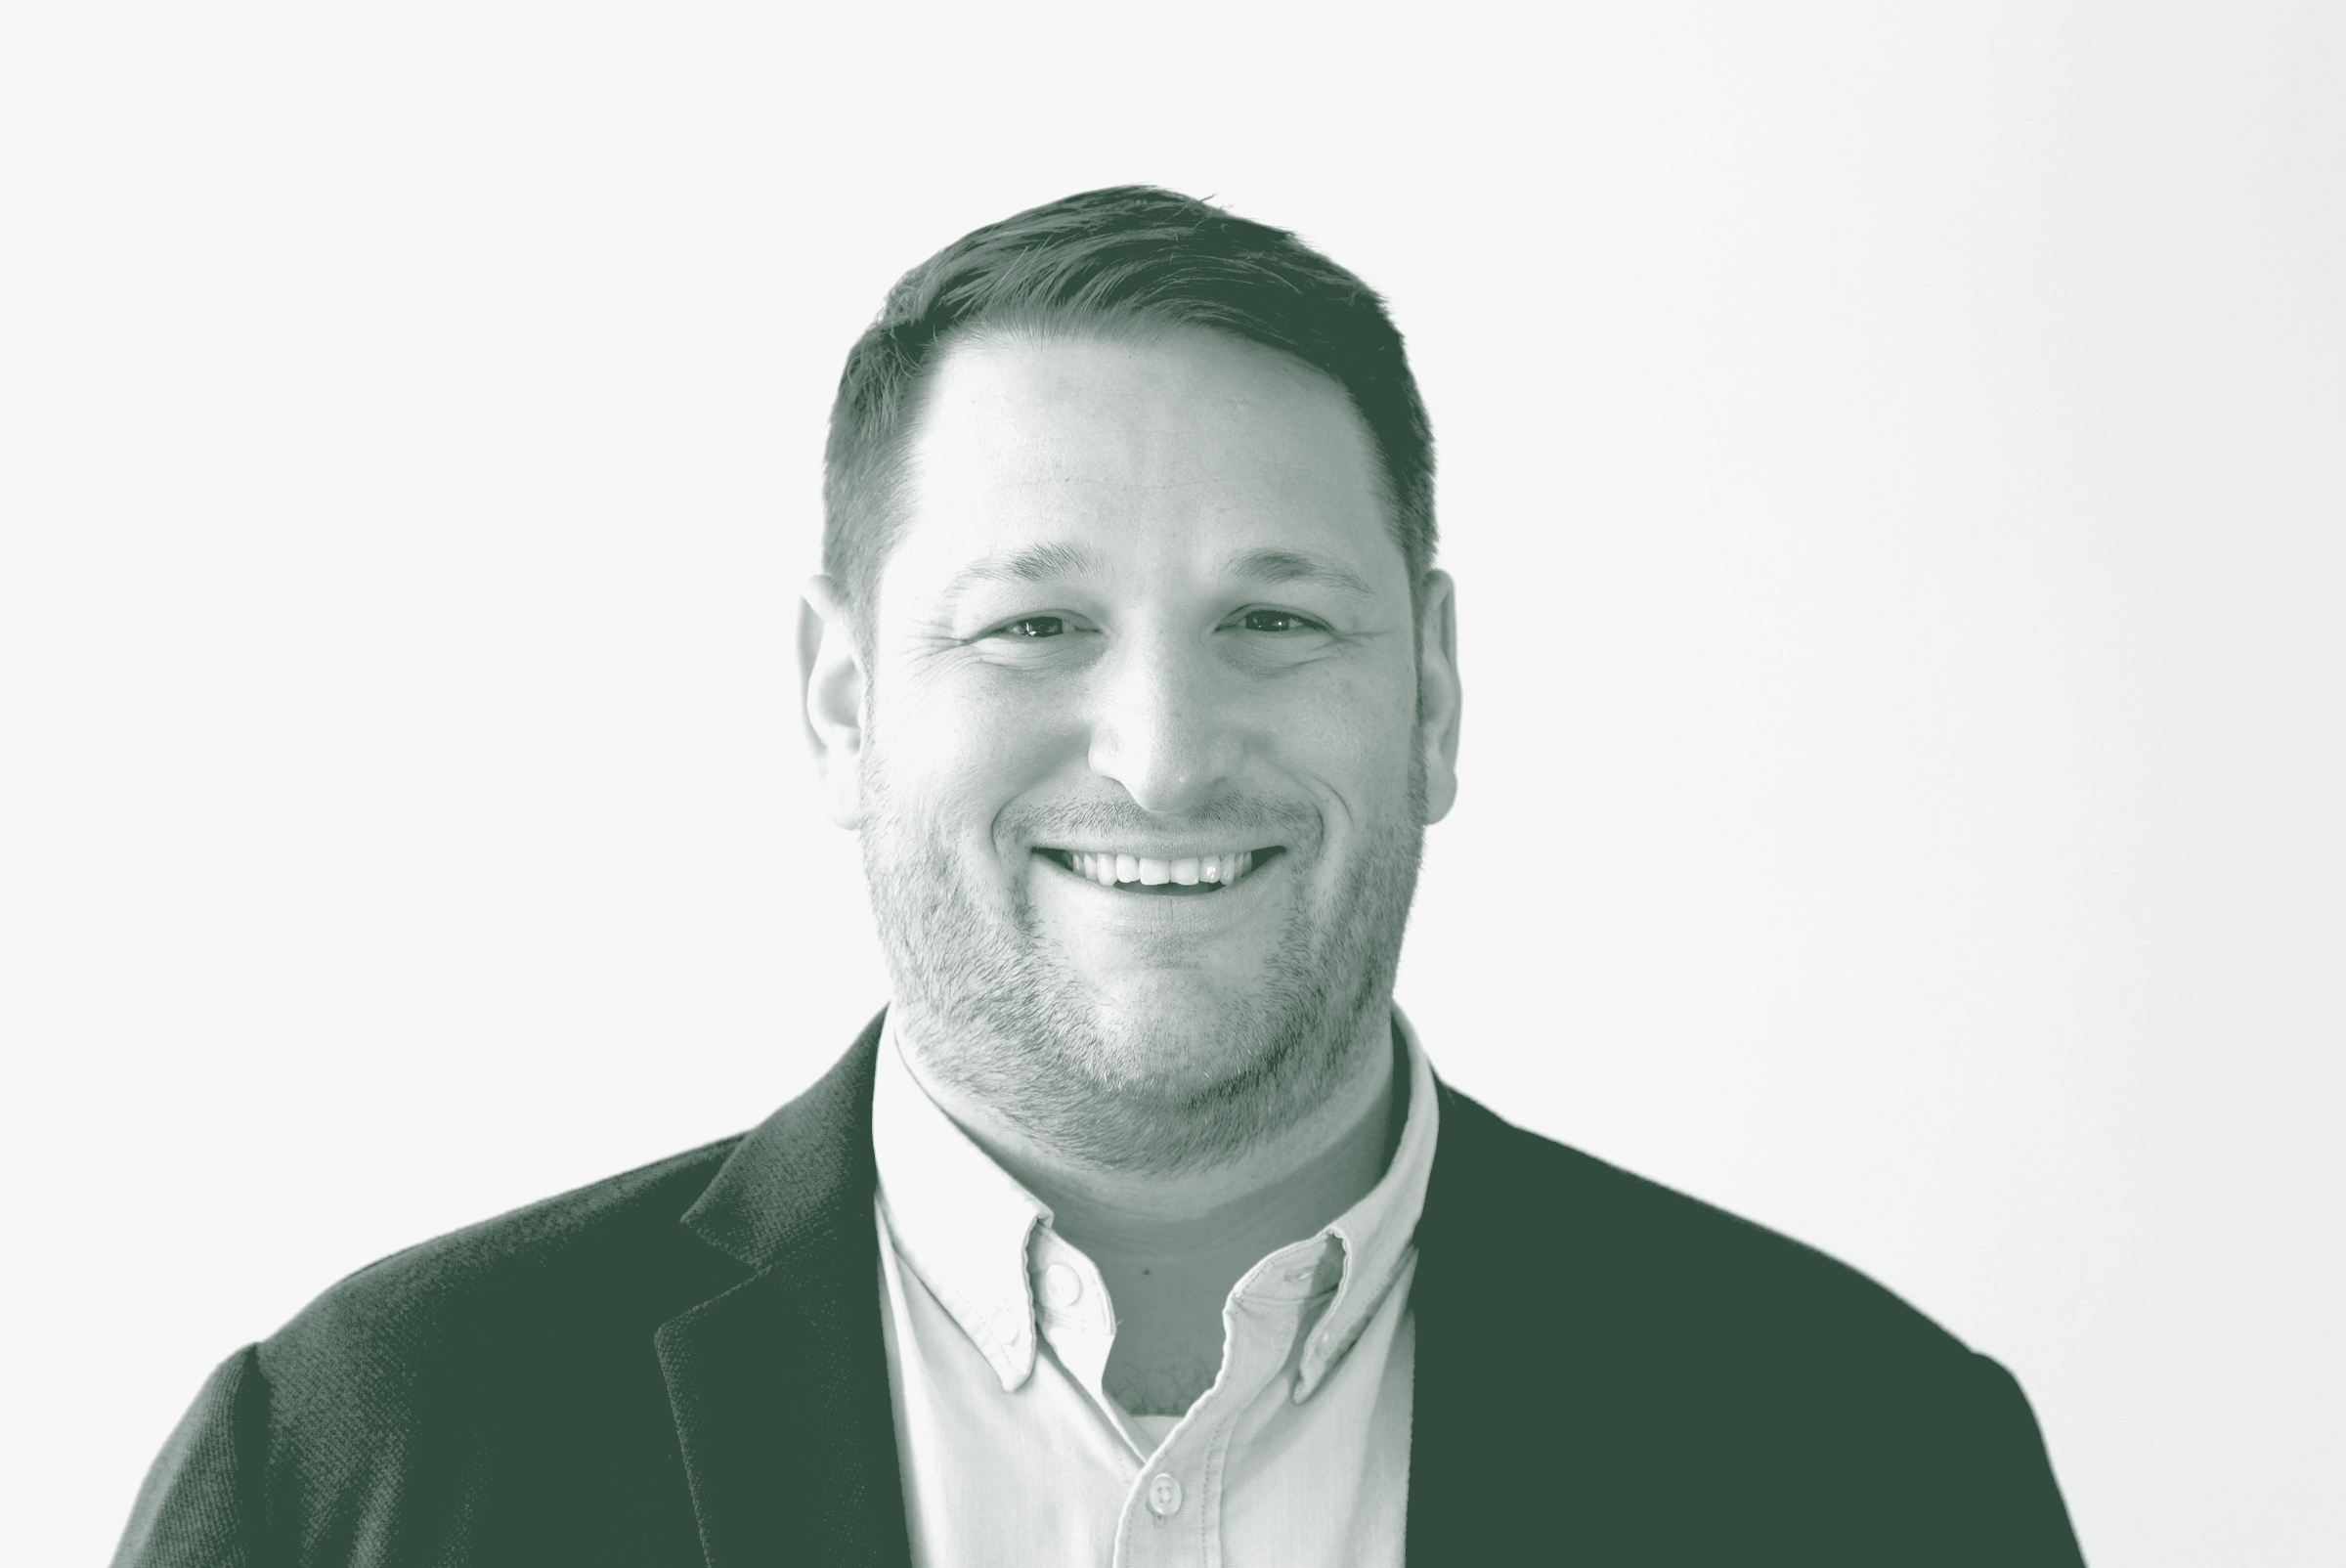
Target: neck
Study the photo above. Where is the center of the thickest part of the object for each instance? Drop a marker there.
(1282, 1189)
(1170, 1245)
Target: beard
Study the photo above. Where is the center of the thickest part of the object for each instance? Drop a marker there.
(990, 1007)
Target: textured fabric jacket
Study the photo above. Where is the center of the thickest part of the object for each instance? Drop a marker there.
(683, 1366)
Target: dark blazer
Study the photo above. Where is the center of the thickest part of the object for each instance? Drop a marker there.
(1608, 1372)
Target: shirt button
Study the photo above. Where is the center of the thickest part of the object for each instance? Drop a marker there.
(1061, 1285)
(1164, 1496)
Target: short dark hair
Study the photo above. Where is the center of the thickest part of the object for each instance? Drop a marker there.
(1131, 255)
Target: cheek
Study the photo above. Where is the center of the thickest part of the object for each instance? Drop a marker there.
(967, 747)
(1356, 734)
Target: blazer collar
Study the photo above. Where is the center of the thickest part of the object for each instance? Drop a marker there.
(779, 1385)
(1507, 1380)
(802, 1172)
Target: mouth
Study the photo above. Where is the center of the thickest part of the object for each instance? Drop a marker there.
(1191, 877)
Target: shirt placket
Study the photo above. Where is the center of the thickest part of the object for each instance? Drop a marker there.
(1070, 1302)
(1172, 1516)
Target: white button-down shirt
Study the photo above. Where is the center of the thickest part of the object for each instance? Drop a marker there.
(998, 1333)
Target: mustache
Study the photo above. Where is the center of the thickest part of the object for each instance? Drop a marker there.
(1249, 822)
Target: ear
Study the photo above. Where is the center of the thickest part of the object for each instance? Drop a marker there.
(831, 676)
(1437, 693)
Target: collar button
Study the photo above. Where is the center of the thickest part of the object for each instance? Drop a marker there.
(1062, 1287)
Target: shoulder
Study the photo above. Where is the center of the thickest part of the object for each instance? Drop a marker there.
(1655, 1265)
(566, 1293)
(555, 1280)
(1706, 1389)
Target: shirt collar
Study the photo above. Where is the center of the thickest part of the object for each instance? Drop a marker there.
(1378, 1232)
(970, 1231)
(958, 1219)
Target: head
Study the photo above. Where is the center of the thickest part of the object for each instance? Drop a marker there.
(1131, 667)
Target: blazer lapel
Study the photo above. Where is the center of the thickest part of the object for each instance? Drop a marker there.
(1492, 1382)
(779, 1386)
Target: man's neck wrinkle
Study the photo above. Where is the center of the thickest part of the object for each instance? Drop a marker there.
(1266, 1200)
(1284, 1206)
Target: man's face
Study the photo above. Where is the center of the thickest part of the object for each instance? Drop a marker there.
(1145, 613)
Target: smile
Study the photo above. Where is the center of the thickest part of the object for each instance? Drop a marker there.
(1138, 873)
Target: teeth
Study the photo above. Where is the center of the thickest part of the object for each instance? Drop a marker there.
(1107, 868)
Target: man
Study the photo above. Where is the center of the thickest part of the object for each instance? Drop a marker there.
(1138, 1227)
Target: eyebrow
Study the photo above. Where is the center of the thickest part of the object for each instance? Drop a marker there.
(1045, 563)
(1287, 566)
(1040, 563)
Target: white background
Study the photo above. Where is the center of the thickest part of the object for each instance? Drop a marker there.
(1892, 457)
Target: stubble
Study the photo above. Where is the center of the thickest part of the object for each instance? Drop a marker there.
(991, 1009)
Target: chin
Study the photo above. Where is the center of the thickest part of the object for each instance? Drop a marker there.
(1171, 1043)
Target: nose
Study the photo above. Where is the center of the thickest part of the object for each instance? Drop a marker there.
(1163, 725)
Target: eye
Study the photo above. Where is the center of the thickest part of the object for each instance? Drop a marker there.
(1277, 621)
(1030, 627)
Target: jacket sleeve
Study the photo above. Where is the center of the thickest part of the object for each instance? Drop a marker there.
(2013, 1511)
(202, 1503)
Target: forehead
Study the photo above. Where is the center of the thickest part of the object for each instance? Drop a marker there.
(1154, 451)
